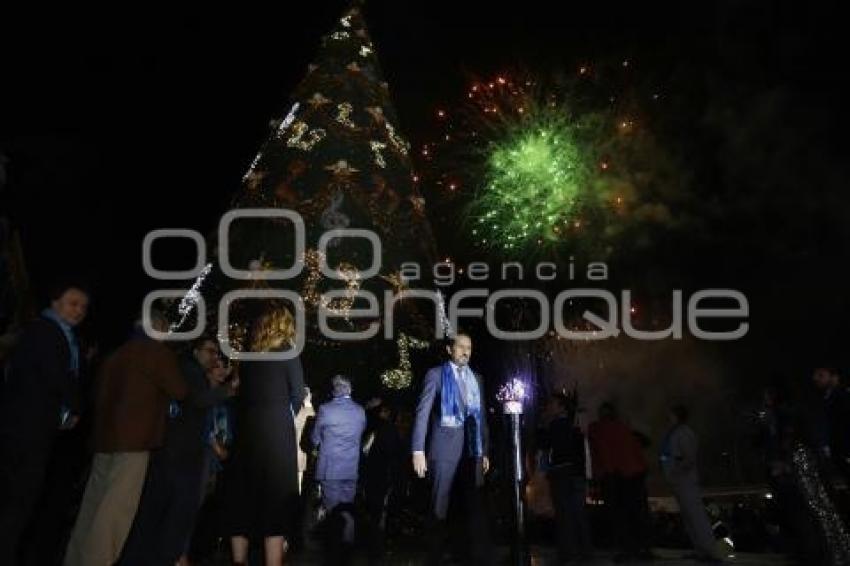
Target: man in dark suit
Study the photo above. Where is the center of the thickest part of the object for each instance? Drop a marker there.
(450, 443)
(337, 434)
(40, 398)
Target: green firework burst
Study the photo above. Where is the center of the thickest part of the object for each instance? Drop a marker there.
(536, 181)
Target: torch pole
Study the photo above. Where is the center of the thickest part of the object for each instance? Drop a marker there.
(519, 550)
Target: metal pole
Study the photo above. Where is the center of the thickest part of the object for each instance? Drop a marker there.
(519, 551)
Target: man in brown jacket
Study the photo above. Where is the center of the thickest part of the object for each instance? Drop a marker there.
(134, 389)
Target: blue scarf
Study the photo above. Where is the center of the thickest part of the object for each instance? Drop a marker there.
(451, 406)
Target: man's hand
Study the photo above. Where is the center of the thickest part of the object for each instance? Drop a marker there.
(420, 464)
(485, 464)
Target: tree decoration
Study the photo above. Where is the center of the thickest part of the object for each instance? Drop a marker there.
(398, 282)
(318, 100)
(445, 323)
(399, 143)
(310, 292)
(190, 299)
(288, 119)
(313, 296)
(341, 170)
(401, 377)
(298, 139)
(379, 157)
(336, 169)
(343, 115)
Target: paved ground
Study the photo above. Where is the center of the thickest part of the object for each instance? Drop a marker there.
(544, 556)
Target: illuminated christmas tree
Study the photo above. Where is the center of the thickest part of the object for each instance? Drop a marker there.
(337, 158)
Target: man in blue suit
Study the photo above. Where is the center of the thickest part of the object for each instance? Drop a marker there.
(337, 433)
(450, 442)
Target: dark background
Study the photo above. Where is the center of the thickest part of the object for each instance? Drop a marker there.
(119, 123)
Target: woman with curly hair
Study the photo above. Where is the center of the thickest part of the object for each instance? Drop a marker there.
(262, 480)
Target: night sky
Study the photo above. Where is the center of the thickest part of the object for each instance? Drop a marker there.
(116, 124)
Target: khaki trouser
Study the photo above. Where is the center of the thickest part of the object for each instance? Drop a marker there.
(108, 507)
(694, 516)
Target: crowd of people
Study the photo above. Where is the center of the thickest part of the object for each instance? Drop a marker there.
(179, 445)
(804, 447)
(189, 450)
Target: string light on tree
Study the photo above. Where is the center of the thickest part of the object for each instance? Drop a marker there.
(445, 323)
(288, 119)
(190, 299)
(377, 146)
(252, 177)
(351, 276)
(313, 296)
(320, 161)
(398, 142)
(401, 377)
